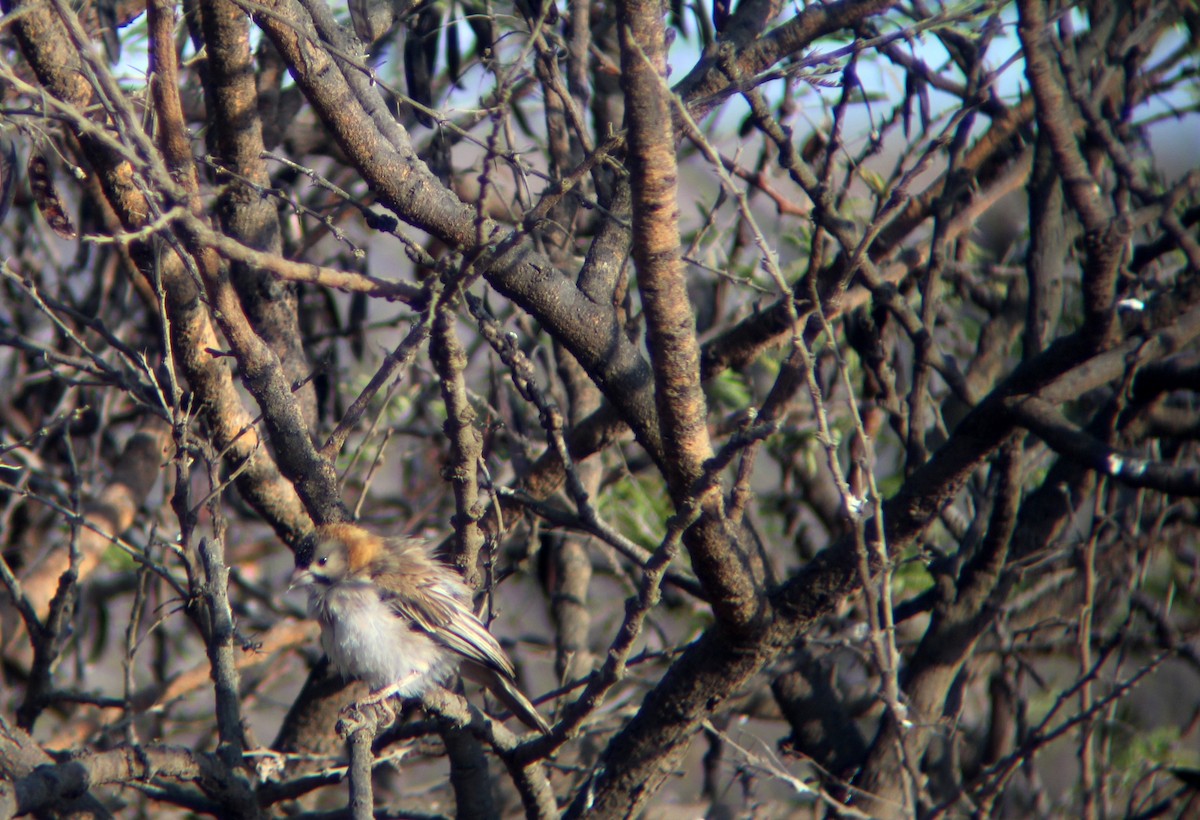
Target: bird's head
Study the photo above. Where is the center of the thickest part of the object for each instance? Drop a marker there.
(331, 553)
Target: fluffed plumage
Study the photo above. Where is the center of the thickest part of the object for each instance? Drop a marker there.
(398, 619)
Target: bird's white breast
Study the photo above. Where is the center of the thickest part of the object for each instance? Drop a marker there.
(366, 640)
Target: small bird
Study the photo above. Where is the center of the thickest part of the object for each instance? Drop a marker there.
(398, 619)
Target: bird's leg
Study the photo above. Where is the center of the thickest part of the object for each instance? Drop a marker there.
(378, 701)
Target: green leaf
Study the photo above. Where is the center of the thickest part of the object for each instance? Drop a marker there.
(875, 181)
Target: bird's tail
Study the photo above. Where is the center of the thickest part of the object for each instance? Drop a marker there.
(508, 694)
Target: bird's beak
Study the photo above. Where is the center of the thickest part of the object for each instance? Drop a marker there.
(301, 577)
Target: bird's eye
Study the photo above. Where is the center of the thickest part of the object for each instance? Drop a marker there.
(322, 562)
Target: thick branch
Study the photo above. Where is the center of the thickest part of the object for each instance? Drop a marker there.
(45, 43)
(245, 215)
(405, 186)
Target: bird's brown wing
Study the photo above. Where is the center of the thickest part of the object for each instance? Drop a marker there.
(436, 610)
